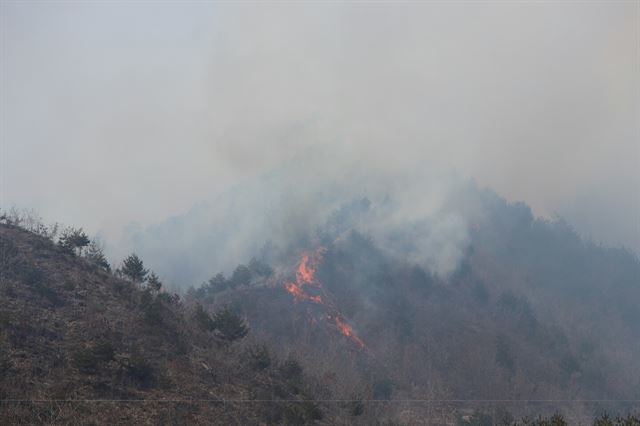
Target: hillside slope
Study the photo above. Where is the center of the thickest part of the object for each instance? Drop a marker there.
(81, 346)
(531, 313)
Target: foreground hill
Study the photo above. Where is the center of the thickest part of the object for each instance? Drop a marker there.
(80, 346)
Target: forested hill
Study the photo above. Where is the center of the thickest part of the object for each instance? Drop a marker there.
(531, 312)
(339, 327)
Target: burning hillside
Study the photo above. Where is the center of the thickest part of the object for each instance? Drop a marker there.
(459, 304)
(307, 287)
(427, 334)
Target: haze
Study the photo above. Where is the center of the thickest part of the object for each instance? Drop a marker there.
(119, 112)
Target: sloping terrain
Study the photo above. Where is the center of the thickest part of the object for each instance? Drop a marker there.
(533, 320)
(532, 313)
(81, 346)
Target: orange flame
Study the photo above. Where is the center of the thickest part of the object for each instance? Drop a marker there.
(305, 273)
(298, 293)
(305, 276)
(347, 331)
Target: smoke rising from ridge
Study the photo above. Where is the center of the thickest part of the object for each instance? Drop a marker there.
(536, 100)
(413, 216)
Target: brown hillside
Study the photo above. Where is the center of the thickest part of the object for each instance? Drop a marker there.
(81, 346)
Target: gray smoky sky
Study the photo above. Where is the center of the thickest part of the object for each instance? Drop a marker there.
(120, 112)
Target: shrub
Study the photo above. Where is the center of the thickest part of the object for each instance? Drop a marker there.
(151, 307)
(555, 420)
(606, 420)
(5, 362)
(35, 278)
(202, 319)
(356, 407)
(6, 318)
(311, 411)
(503, 417)
(291, 372)
(88, 360)
(302, 413)
(140, 369)
(258, 357)
(104, 351)
(30, 221)
(229, 325)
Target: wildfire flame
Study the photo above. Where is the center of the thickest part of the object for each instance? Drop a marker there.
(305, 273)
(299, 294)
(346, 330)
(305, 276)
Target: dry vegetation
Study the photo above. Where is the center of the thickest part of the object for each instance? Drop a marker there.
(81, 346)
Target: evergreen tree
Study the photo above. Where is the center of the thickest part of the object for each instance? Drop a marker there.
(217, 283)
(259, 268)
(73, 240)
(96, 255)
(241, 276)
(229, 325)
(202, 318)
(153, 282)
(133, 269)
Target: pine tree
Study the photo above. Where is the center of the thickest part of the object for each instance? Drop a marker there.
(202, 318)
(216, 284)
(73, 240)
(96, 255)
(153, 282)
(133, 269)
(240, 276)
(229, 325)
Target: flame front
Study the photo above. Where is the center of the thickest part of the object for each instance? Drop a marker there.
(305, 273)
(299, 294)
(347, 331)
(305, 276)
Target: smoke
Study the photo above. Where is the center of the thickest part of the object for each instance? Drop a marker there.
(119, 112)
(318, 194)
